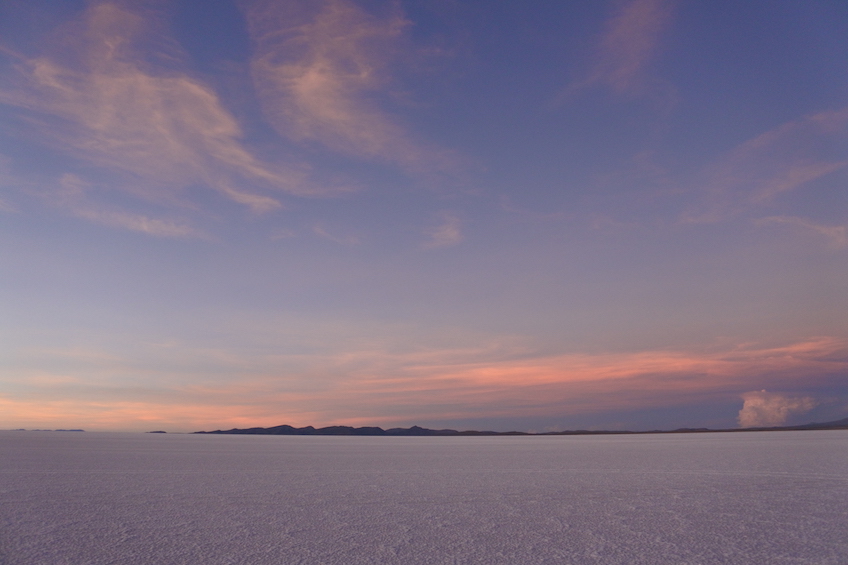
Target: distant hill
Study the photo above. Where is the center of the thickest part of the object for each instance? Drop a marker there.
(285, 430)
(835, 425)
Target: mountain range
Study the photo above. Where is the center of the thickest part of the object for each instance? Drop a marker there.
(286, 430)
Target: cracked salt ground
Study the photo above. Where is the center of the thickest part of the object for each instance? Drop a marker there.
(98, 498)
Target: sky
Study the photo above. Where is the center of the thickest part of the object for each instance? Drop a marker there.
(472, 214)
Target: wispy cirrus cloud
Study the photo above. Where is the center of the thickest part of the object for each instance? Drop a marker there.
(446, 233)
(71, 195)
(627, 47)
(156, 130)
(320, 230)
(836, 236)
(778, 161)
(321, 69)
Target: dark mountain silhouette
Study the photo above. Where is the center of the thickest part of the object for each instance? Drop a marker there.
(835, 425)
(285, 430)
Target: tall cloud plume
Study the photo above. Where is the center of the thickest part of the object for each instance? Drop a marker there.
(763, 408)
(102, 100)
(320, 70)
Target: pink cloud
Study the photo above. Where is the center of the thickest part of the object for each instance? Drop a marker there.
(762, 409)
(587, 383)
(119, 415)
(155, 130)
(319, 69)
(71, 195)
(380, 383)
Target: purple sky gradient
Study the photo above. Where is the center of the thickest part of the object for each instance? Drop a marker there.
(452, 214)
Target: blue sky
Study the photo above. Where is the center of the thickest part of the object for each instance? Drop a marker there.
(451, 214)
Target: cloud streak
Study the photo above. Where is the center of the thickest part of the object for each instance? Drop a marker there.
(836, 236)
(157, 129)
(374, 382)
(347, 240)
(72, 197)
(320, 69)
(577, 384)
(778, 161)
(447, 233)
(628, 45)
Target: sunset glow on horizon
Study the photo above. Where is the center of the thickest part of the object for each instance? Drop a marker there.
(477, 215)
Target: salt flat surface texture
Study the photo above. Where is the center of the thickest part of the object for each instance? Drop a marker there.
(97, 498)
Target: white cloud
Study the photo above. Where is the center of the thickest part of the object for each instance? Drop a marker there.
(762, 409)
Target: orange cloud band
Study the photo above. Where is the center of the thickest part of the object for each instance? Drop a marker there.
(376, 387)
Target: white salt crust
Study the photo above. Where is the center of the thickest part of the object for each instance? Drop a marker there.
(101, 498)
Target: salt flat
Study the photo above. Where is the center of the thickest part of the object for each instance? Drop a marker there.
(98, 498)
